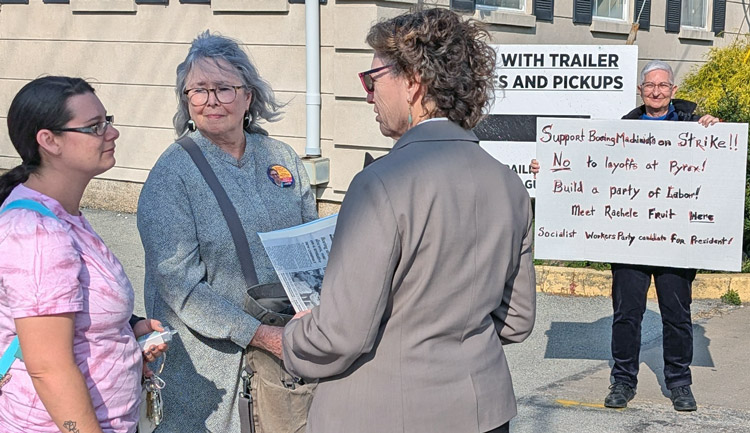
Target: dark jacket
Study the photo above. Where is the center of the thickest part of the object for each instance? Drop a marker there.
(685, 111)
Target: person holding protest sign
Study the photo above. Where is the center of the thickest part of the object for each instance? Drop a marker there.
(418, 302)
(630, 283)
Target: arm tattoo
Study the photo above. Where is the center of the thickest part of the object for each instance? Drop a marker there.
(71, 427)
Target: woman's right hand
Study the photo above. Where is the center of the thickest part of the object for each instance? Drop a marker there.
(301, 314)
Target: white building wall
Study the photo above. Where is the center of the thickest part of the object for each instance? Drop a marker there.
(130, 51)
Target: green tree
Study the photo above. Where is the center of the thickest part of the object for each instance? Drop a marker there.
(721, 87)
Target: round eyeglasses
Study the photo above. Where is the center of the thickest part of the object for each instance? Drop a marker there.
(98, 129)
(224, 94)
(663, 87)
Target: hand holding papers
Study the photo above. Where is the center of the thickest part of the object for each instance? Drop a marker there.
(299, 255)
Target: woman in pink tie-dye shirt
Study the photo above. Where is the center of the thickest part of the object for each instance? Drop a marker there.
(62, 291)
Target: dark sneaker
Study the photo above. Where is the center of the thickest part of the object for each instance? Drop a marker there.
(682, 399)
(619, 395)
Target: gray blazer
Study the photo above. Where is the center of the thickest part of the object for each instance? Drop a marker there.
(430, 273)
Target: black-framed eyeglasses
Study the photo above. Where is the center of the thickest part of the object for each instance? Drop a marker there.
(224, 94)
(366, 78)
(98, 129)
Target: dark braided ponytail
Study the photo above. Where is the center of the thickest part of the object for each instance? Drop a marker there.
(40, 104)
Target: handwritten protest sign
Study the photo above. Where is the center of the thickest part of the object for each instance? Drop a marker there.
(585, 81)
(641, 192)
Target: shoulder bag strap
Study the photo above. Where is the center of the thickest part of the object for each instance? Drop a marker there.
(230, 213)
(25, 203)
(244, 401)
(13, 351)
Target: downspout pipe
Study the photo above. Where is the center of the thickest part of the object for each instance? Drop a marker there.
(312, 95)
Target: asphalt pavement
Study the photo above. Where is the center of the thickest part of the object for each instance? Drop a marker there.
(561, 372)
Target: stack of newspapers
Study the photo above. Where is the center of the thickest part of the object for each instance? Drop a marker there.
(299, 255)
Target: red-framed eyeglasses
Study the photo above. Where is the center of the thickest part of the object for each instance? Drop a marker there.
(366, 78)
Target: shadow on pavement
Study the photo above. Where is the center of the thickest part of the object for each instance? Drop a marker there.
(591, 340)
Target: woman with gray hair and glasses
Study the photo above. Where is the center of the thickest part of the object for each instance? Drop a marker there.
(194, 282)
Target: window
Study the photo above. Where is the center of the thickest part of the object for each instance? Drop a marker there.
(692, 17)
(694, 13)
(518, 5)
(516, 13)
(611, 9)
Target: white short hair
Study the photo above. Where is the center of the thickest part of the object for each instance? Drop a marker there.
(657, 65)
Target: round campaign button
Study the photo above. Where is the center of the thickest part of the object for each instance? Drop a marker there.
(280, 176)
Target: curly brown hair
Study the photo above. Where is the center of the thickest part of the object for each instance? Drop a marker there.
(455, 64)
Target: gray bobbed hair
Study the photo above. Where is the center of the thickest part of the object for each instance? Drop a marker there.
(657, 65)
(213, 47)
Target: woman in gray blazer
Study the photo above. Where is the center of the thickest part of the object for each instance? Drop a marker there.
(431, 268)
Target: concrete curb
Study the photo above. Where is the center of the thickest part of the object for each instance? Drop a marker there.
(589, 282)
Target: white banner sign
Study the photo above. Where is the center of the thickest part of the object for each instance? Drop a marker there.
(641, 192)
(585, 81)
(594, 80)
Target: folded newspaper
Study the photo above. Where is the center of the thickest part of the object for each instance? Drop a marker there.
(299, 255)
